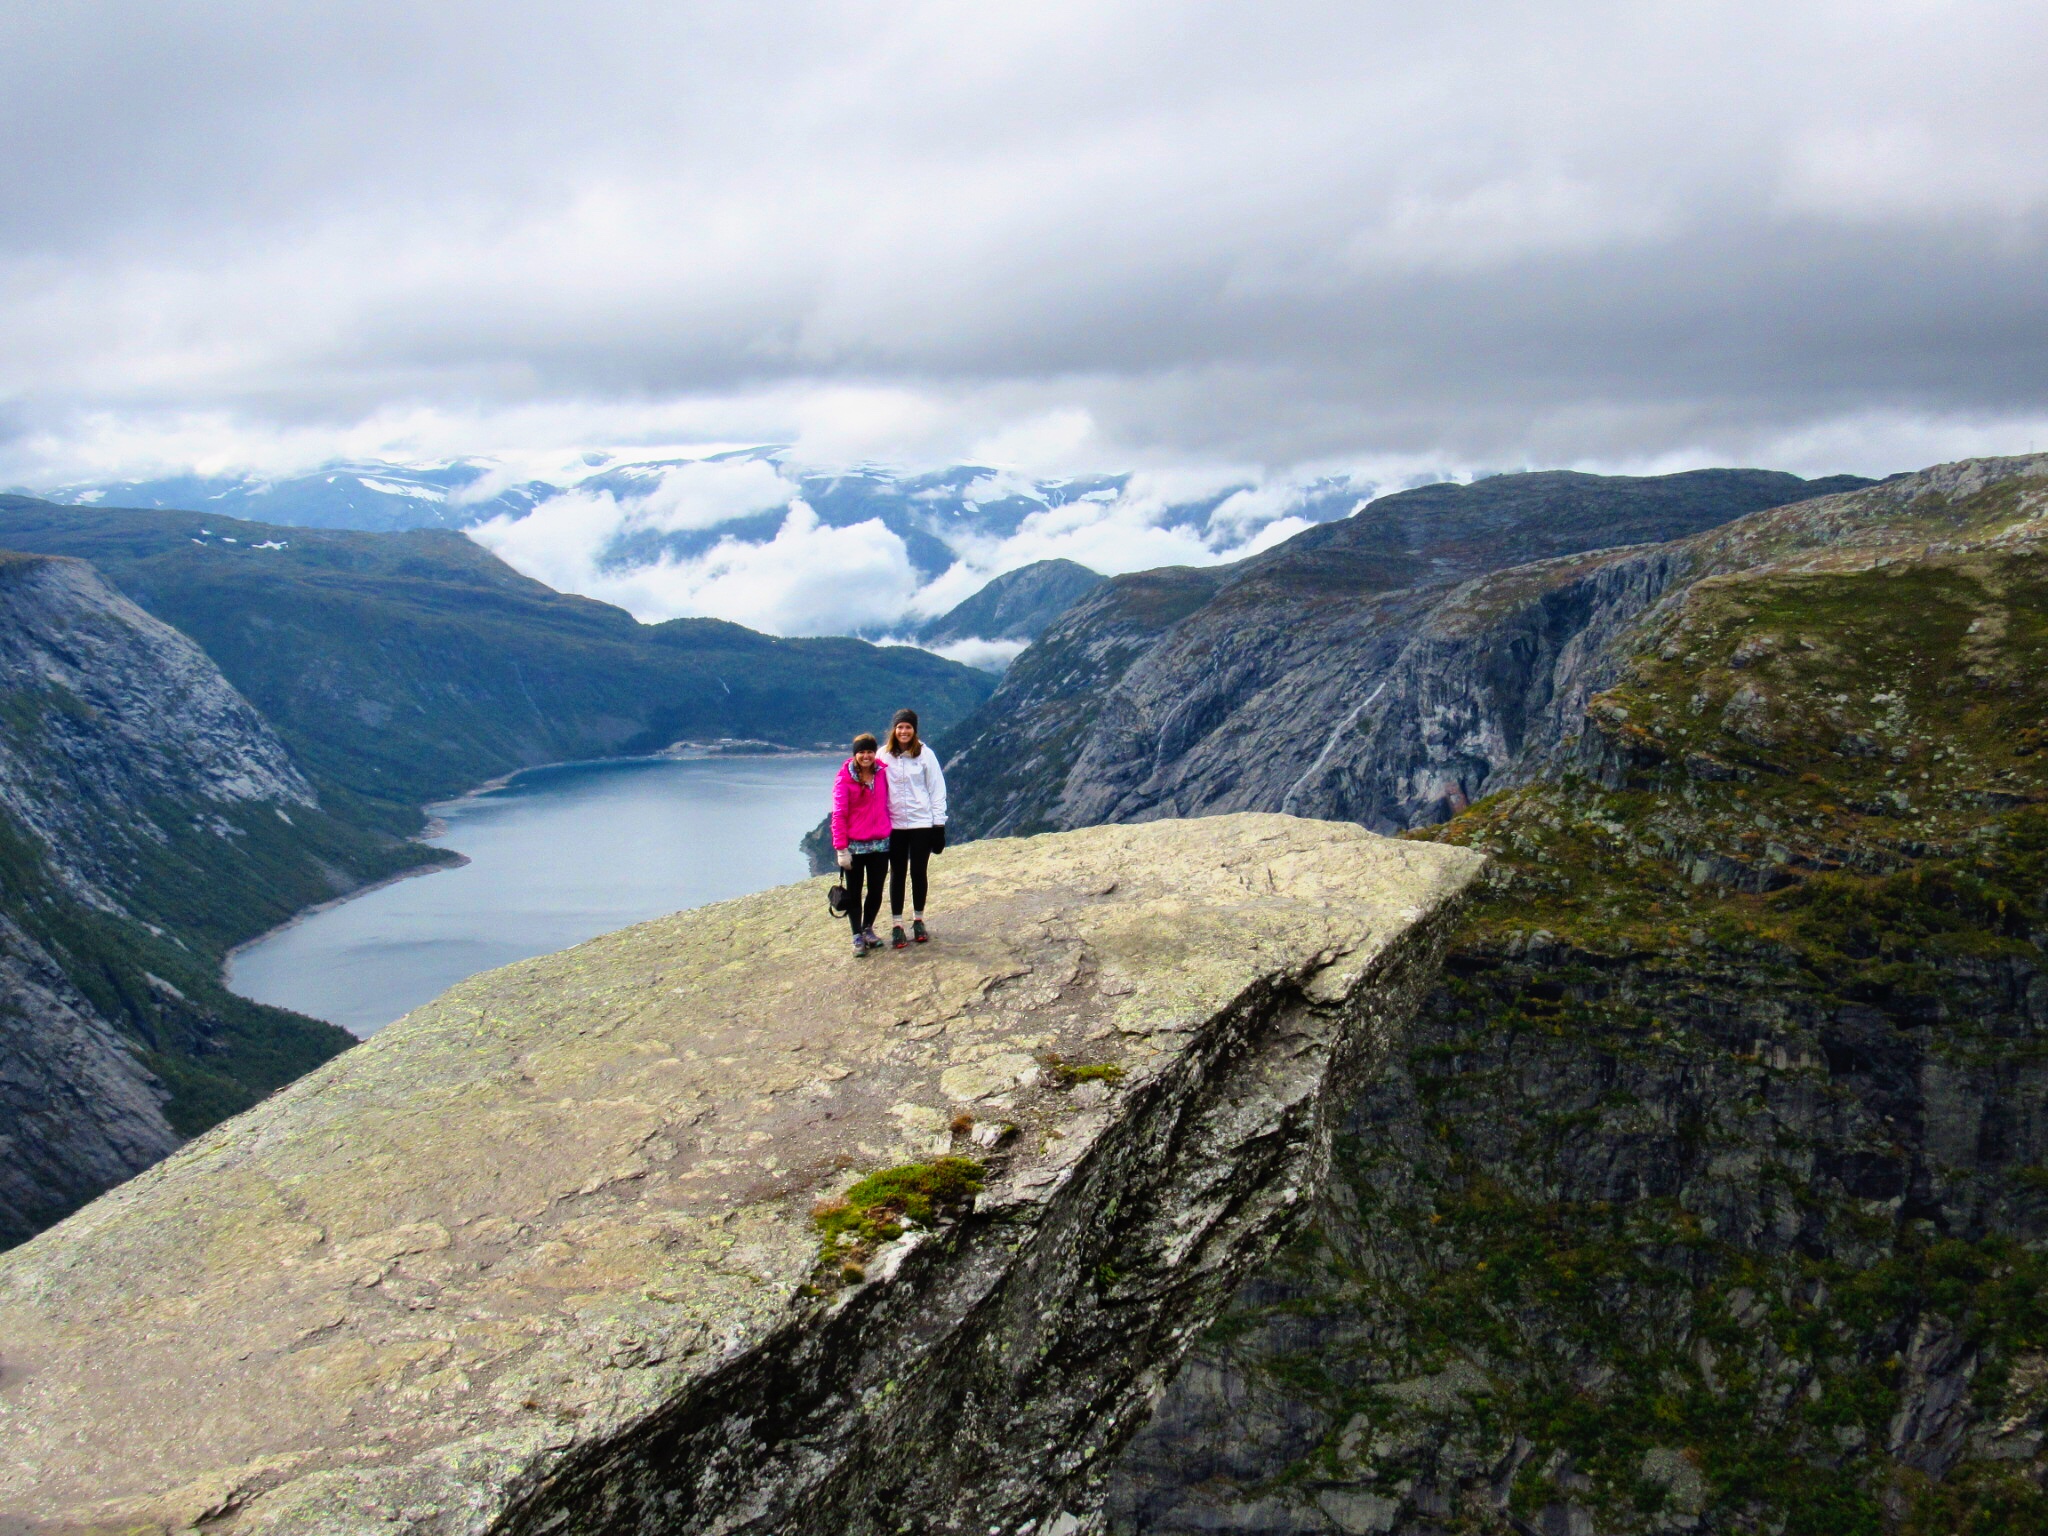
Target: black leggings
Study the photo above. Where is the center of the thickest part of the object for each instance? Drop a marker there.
(866, 868)
(909, 848)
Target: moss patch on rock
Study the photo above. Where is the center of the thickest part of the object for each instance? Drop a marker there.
(1068, 1074)
(881, 1207)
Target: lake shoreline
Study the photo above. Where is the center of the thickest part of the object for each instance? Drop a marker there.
(440, 866)
(699, 825)
(675, 752)
(436, 824)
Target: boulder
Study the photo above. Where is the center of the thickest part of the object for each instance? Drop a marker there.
(595, 1242)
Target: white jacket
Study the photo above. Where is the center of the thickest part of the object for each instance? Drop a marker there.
(917, 789)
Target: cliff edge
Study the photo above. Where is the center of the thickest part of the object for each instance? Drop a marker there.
(705, 1226)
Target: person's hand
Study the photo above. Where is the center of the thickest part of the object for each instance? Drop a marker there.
(845, 859)
(939, 842)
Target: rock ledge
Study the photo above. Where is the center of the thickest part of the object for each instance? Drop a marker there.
(540, 1257)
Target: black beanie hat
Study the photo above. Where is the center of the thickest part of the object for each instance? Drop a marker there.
(903, 715)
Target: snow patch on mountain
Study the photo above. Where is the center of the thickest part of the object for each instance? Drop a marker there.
(747, 534)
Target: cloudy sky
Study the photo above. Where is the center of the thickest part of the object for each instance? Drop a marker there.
(1197, 237)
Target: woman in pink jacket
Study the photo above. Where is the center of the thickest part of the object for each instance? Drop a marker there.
(860, 834)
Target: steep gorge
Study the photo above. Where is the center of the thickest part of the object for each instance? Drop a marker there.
(1708, 1194)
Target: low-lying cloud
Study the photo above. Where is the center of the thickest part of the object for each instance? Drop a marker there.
(809, 578)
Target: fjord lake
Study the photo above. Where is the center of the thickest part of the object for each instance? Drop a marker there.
(556, 855)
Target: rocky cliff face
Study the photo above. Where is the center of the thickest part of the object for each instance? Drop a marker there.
(1017, 605)
(1708, 1194)
(110, 713)
(705, 1226)
(1367, 669)
(79, 1112)
(148, 819)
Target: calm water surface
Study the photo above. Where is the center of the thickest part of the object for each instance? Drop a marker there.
(558, 855)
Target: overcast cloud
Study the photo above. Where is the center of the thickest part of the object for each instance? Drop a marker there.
(1093, 235)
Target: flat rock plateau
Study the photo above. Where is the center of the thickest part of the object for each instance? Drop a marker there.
(546, 1255)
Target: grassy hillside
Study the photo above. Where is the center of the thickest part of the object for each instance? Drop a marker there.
(408, 666)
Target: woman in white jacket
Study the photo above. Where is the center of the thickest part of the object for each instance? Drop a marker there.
(917, 822)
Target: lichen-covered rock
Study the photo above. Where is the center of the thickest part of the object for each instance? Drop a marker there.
(543, 1256)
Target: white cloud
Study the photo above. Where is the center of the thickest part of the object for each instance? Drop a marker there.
(1059, 237)
(1143, 527)
(1501, 221)
(703, 495)
(988, 655)
(1049, 443)
(1883, 442)
(1254, 506)
(813, 579)
(808, 580)
(1055, 235)
(1276, 532)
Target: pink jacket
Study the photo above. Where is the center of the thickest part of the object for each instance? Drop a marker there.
(859, 814)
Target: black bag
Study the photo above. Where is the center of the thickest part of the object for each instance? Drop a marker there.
(835, 896)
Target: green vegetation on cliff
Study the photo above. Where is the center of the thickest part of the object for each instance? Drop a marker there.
(1713, 1193)
(153, 970)
(879, 1207)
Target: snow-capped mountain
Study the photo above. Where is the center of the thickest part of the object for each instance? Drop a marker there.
(748, 534)
(932, 512)
(374, 496)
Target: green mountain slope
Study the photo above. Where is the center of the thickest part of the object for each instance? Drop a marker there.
(1712, 1192)
(149, 819)
(409, 666)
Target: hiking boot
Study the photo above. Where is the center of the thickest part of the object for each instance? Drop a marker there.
(898, 938)
(917, 930)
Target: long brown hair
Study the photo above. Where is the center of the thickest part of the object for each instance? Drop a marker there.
(916, 747)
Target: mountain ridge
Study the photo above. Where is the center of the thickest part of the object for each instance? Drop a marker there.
(408, 667)
(642, 514)
(1134, 703)
(1017, 605)
(149, 819)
